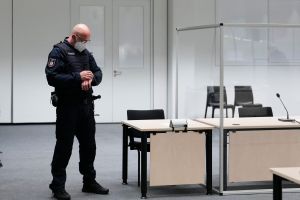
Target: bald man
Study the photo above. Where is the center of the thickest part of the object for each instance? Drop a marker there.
(72, 71)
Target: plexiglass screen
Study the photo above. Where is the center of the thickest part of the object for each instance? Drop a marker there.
(242, 11)
(251, 46)
(245, 46)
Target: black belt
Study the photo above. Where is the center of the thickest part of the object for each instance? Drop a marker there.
(75, 100)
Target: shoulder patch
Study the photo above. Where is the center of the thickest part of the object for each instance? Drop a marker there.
(51, 62)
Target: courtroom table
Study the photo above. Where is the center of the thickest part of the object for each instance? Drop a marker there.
(255, 145)
(155, 127)
(285, 173)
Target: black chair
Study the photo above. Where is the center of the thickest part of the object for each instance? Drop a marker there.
(213, 100)
(255, 112)
(134, 135)
(243, 96)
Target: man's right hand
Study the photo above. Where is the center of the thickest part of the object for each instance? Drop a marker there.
(86, 85)
(86, 75)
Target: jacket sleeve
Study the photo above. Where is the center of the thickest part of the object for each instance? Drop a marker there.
(55, 73)
(96, 71)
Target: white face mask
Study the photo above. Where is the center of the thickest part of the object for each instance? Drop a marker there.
(80, 46)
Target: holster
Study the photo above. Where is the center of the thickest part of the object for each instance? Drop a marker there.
(54, 99)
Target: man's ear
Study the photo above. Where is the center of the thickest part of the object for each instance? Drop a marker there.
(73, 37)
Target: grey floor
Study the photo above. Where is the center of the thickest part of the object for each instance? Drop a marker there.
(27, 153)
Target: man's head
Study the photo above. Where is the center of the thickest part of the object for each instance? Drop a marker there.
(79, 36)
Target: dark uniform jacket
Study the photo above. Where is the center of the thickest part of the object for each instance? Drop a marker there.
(63, 70)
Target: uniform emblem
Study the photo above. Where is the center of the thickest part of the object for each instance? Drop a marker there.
(51, 62)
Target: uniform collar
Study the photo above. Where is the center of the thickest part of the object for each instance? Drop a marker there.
(67, 43)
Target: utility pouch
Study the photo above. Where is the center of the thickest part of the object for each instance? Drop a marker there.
(54, 99)
(1, 165)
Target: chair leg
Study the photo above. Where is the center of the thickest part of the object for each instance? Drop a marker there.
(205, 112)
(226, 113)
(139, 168)
(233, 111)
(213, 112)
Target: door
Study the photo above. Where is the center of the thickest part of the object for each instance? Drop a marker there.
(131, 45)
(120, 43)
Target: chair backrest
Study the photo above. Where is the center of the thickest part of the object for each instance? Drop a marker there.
(213, 94)
(142, 115)
(255, 112)
(145, 114)
(243, 95)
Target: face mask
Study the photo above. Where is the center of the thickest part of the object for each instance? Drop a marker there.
(80, 46)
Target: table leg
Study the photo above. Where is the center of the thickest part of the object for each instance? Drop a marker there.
(209, 162)
(144, 167)
(125, 154)
(225, 160)
(277, 187)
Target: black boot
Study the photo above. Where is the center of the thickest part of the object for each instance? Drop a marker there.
(94, 187)
(60, 194)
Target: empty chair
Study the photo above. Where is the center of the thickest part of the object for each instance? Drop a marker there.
(255, 112)
(243, 96)
(134, 135)
(213, 100)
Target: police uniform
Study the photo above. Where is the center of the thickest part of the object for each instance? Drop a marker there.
(74, 112)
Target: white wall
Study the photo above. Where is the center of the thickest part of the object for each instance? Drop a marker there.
(5, 60)
(160, 54)
(37, 26)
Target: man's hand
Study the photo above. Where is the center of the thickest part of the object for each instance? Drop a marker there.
(86, 85)
(86, 75)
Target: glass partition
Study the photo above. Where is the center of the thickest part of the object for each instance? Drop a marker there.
(198, 74)
(196, 70)
(267, 59)
(263, 58)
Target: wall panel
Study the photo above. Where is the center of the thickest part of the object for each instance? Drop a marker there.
(5, 60)
(38, 24)
(160, 54)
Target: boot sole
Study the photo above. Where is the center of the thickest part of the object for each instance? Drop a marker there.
(90, 191)
(61, 198)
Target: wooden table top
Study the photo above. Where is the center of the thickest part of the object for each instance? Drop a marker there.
(289, 173)
(164, 125)
(249, 123)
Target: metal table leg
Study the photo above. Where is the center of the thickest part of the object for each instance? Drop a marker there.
(225, 161)
(144, 167)
(125, 154)
(209, 162)
(277, 187)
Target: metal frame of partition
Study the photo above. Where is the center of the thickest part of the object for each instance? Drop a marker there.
(221, 26)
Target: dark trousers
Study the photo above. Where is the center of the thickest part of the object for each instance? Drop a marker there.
(74, 119)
